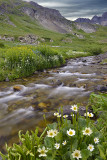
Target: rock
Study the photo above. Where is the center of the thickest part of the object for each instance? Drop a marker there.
(67, 40)
(7, 79)
(17, 88)
(57, 83)
(51, 40)
(42, 105)
(29, 39)
(101, 88)
(84, 60)
(7, 38)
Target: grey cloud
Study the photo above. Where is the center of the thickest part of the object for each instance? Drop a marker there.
(76, 8)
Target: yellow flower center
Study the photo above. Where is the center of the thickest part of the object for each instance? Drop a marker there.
(75, 108)
(87, 131)
(51, 134)
(76, 154)
(90, 147)
(89, 115)
(70, 132)
(42, 152)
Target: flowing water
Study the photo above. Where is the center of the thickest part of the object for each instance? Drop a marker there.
(45, 92)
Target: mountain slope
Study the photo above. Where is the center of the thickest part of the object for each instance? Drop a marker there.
(50, 19)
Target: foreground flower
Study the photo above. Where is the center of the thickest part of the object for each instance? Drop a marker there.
(64, 143)
(57, 145)
(89, 114)
(76, 154)
(90, 147)
(65, 116)
(72, 114)
(51, 133)
(71, 132)
(59, 116)
(42, 152)
(74, 108)
(55, 132)
(87, 131)
(56, 114)
(96, 140)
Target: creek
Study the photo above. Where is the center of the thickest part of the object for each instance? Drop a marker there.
(45, 92)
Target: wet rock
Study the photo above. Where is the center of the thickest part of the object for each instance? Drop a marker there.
(43, 105)
(17, 88)
(101, 88)
(58, 83)
(84, 60)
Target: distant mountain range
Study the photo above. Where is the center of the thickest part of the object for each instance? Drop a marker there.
(46, 18)
(102, 20)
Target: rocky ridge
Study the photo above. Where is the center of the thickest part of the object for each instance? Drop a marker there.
(102, 20)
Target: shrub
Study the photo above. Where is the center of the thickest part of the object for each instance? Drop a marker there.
(20, 59)
(2, 45)
(95, 50)
(25, 60)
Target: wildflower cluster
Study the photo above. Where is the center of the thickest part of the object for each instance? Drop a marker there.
(25, 60)
(64, 139)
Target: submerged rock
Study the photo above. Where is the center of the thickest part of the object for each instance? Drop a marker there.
(101, 88)
(17, 88)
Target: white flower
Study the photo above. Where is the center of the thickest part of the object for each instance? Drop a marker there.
(42, 152)
(57, 145)
(51, 133)
(89, 114)
(72, 115)
(87, 131)
(74, 108)
(59, 116)
(65, 116)
(76, 154)
(56, 114)
(90, 147)
(86, 114)
(96, 140)
(64, 143)
(71, 132)
(55, 132)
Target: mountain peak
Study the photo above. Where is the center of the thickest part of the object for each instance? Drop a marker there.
(101, 20)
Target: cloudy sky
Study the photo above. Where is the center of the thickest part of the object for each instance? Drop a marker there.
(72, 9)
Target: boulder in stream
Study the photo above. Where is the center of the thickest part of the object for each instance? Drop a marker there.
(101, 88)
(17, 88)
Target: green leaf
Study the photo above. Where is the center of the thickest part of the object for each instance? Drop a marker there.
(74, 144)
(48, 141)
(81, 122)
(52, 126)
(85, 154)
(59, 137)
(67, 155)
(101, 149)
